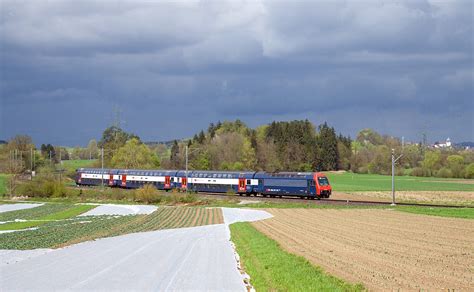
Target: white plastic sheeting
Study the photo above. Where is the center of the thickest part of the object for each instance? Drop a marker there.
(196, 258)
(19, 206)
(115, 209)
(232, 215)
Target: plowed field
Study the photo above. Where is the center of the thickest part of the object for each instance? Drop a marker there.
(383, 249)
(430, 197)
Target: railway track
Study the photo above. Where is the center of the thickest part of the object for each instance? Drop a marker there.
(329, 201)
(321, 201)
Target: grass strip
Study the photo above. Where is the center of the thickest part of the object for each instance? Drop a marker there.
(273, 269)
(183, 218)
(211, 217)
(3, 184)
(174, 214)
(201, 217)
(467, 213)
(190, 218)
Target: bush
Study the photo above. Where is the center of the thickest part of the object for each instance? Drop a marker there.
(469, 171)
(399, 171)
(189, 198)
(43, 187)
(147, 194)
(417, 171)
(444, 172)
(408, 171)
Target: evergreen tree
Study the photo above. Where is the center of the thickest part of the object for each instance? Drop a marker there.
(175, 159)
(328, 144)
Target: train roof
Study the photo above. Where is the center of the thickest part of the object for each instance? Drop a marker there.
(228, 174)
(297, 175)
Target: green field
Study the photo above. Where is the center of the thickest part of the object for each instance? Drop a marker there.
(71, 211)
(70, 230)
(72, 165)
(3, 182)
(467, 213)
(352, 182)
(273, 269)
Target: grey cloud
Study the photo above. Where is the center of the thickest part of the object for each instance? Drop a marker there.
(180, 65)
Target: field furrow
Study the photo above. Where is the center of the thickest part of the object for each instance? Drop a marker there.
(384, 249)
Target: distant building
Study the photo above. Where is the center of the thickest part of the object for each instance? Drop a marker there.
(447, 144)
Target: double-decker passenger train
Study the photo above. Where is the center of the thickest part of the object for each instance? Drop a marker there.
(302, 184)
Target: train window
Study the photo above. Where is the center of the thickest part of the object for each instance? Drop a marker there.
(248, 181)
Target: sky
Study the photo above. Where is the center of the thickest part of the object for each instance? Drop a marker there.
(166, 70)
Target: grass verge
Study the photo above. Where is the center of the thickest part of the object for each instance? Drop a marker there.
(273, 269)
(3, 184)
(467, 213)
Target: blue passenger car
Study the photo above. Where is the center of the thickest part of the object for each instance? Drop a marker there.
(285, 184)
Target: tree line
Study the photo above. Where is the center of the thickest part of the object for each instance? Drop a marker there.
(232, 145)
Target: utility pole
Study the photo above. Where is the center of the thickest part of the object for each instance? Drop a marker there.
(31, 163)
(394, 160)
(60, 168)
(102, 173)
(186, 168)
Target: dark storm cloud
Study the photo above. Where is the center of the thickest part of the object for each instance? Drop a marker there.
(401, 67)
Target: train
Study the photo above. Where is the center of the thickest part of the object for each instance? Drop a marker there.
(310, 185)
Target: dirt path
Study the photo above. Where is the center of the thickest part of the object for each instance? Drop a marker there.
(383, 249)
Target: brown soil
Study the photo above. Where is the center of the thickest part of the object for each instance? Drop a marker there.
(459, 181)
(438, 197)
(383, 249)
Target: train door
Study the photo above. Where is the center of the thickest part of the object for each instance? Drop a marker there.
(184, 183)
(242, 185)
(260, 186)
(167, 182)
(111, 179)
(124, 180)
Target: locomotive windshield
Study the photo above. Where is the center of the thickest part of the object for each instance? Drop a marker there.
(323, 181)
